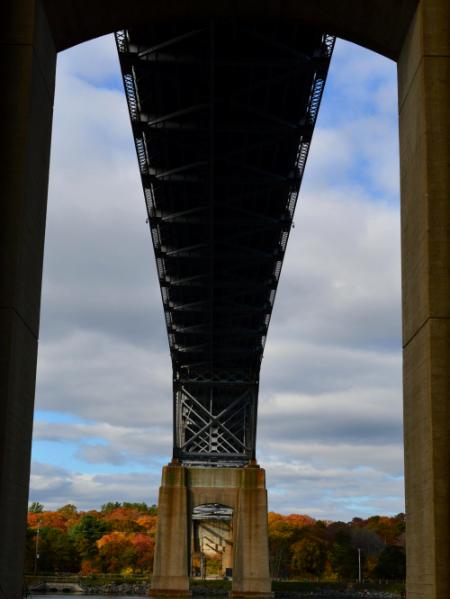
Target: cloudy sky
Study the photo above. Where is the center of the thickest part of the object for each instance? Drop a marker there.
(330, 420)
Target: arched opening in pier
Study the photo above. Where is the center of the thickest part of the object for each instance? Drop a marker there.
(212, 541)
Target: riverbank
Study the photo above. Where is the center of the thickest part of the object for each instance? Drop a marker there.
(292, 589)
(212, 588)
(319, 594)
(139, 591)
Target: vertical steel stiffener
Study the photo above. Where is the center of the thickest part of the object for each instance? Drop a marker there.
(222, 113)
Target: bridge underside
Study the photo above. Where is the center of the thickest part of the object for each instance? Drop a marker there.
(222, 113)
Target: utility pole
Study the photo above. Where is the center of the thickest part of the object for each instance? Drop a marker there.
(359, 565)
(37, 550)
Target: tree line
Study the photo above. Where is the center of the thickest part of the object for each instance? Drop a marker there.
(120, 539)
(301, 547)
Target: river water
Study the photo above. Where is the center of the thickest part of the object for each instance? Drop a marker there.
(65, 595)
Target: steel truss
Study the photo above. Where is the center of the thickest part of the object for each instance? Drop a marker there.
(215, 422)
(222, 112)
(212, 511)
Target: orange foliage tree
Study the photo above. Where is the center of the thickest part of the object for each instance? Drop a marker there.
(120, 538)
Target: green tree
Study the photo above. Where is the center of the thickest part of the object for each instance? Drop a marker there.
(391, 564)
(36, 508)
(68, 511)
(30, 550)
(140, 507)
(344, 560)
(86, 533)
(57, 552)
(110, 506)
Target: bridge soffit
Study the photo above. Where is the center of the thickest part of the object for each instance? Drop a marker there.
(380, 25)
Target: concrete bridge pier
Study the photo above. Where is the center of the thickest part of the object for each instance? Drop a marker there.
(27, 68)
(171, 565)
(183, 489)
(424, 117)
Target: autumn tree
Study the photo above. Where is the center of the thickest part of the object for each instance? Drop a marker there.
(123, 519)
(148, 523)
(115, 552)
(284, 531)
(388, 529)
(309, 557)
(121, 539)
(125, 552)
(145, 551)
(46, 519)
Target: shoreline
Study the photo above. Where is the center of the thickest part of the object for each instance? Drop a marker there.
(137, 589)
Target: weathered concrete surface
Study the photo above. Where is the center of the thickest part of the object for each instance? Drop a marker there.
(227, 558)
(183, 489)
(27, 71)
(251, 546)
(424, 103)
(171, 564)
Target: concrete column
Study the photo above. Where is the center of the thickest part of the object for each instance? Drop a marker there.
(171, 565)
(27, 73)
(424, 105)
(227, 557)
(251, 574)
(242, 489)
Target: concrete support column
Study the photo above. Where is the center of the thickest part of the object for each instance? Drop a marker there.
(227, 557)
(243, 490)
(171, 565)
(424, 104)
(27, 73)
(251, 574)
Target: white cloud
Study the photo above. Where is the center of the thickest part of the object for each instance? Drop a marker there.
(94, 62)
(55, 487)
(98, 377)
(341, 277)
(119, 443)
(332, 492)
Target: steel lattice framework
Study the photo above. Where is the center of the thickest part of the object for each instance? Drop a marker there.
(222, 113)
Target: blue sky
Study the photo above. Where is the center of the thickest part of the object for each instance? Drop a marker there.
(330, 417)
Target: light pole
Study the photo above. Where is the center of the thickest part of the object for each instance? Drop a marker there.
(37, 549)
(359, 565)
